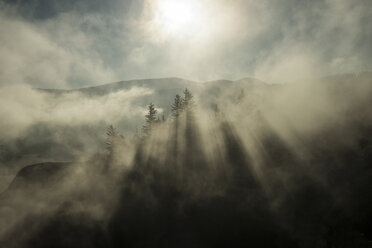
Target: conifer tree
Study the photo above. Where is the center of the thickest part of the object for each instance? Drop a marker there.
(187, 101)
(150, 119)
(111, 136)
(177, 106)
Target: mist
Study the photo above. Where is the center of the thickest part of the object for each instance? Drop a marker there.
(185, 123)
(237, 163)
(72, 45)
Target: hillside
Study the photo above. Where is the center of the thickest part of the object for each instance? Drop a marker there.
(73, 122)
(240, 162)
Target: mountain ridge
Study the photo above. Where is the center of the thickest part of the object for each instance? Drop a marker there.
(176, 81)
(181, 82)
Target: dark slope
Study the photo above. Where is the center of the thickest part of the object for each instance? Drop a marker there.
(39, 174)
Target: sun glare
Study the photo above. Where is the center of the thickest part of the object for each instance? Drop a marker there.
(177, 16)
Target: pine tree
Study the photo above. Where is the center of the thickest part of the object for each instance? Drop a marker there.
(177, 106)
(187, 101)
(111, 136)
(150, 119)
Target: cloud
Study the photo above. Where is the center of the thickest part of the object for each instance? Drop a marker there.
(76, 44)
(24, 107)
(317, 38)
(29, 55)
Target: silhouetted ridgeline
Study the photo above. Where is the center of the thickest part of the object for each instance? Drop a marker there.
(283, 167)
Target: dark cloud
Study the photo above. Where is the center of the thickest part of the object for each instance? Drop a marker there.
(45, 9)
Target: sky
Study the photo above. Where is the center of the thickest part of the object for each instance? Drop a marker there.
(80, 43)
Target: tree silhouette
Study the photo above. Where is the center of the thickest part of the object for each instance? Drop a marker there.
(150, 119)
(111, 136)
(176, 106)
(187, 101)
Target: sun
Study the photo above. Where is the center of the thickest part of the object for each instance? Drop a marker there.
(177, 16)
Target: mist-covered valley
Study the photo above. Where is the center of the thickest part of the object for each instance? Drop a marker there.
(177, 163)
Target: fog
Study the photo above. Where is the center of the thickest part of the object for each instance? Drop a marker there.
(24, 107)
(242, 161)
(72, 45)
(267, 145)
